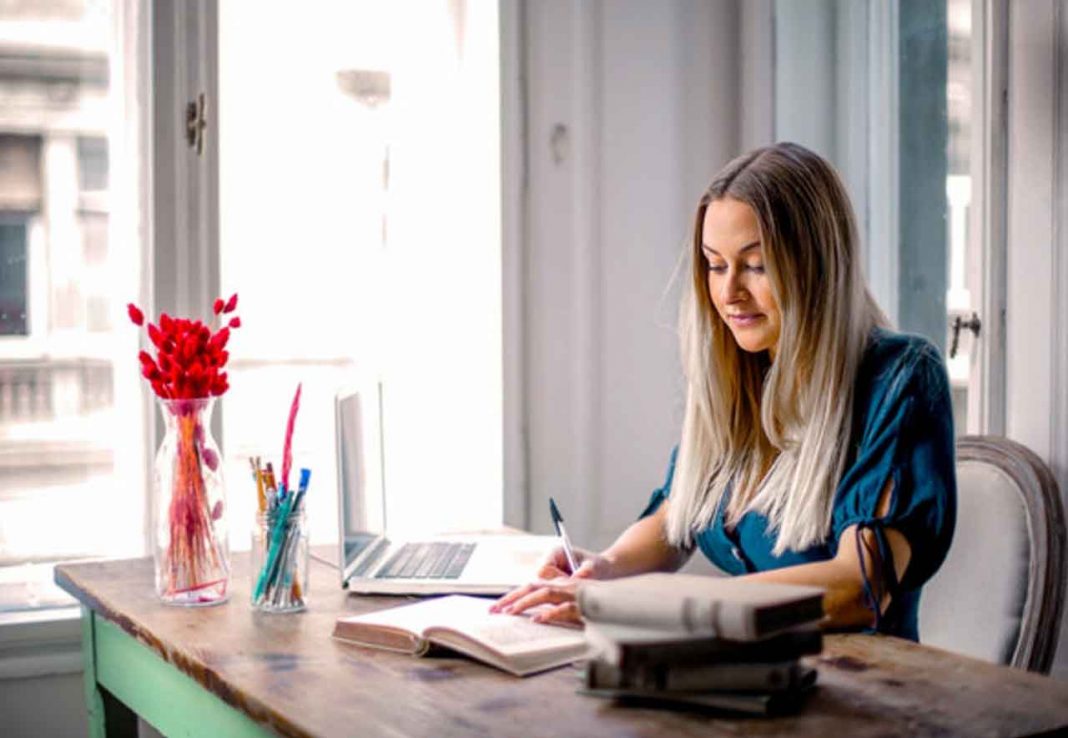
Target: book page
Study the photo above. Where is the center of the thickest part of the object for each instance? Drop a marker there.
(509, 635)
(414, 617)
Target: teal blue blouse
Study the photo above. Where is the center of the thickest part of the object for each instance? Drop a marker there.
(902, 429)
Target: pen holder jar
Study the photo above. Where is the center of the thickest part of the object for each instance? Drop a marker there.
(280, 561)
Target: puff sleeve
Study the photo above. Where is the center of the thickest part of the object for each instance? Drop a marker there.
(905, 434)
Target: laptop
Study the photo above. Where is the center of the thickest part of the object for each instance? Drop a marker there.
(372, 562)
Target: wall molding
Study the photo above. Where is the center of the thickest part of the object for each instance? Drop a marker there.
(514, 184)
(1059, 314)
(40, 643)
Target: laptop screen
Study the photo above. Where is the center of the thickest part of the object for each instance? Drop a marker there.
(361, 500)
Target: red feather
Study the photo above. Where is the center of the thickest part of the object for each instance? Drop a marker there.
(287, 449)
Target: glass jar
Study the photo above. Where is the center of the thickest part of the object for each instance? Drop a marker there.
(190, 537)
(280, 560)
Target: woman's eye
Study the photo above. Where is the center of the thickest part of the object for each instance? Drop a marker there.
(755, 268)
(717, 268)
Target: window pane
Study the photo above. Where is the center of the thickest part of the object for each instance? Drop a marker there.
(13, 279)
(302, 227)
(71, 450)
(360, 222)
(894, 114)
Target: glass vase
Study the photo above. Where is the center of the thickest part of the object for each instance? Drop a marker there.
(191, 545)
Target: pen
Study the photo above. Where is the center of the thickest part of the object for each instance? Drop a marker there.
(558, 523)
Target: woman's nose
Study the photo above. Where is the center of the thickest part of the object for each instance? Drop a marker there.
(732, 290)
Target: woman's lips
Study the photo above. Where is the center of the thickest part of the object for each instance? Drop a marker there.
(745, 320)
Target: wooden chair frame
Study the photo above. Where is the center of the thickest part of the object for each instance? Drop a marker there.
(1040, 620)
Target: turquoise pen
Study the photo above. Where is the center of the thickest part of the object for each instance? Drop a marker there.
(277, 534)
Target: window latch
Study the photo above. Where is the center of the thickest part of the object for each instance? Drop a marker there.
(196, 122)
(973, 324)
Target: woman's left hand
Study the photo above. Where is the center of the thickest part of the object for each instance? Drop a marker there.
(558, 594)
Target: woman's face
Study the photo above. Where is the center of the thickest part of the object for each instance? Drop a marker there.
(737, 284)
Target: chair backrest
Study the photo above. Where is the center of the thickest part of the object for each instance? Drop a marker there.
(999, 594)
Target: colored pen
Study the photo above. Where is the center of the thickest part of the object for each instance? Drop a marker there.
(558, 523)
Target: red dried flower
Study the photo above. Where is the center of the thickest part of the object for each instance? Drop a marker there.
(189, 357)
(135, 314)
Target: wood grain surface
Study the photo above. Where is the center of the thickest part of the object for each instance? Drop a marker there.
(286, 673)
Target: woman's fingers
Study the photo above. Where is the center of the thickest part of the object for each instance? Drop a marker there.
(543, 592)
(551, 571)
(585, 569)
(511, 597)
(565, 612)
(555, 564)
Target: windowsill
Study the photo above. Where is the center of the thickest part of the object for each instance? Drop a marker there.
(40, 643)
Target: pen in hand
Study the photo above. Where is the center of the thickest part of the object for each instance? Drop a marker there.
(558, 523)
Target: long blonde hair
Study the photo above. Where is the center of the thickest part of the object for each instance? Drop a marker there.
(776, 433)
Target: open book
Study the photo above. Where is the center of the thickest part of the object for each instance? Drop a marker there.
(464, 624)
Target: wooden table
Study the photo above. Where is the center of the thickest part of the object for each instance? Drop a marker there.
(228, 670)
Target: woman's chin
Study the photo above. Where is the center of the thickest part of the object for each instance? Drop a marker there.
(752, 344)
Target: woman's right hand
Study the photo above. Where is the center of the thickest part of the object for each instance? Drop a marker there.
(556, 587)
(590, 565)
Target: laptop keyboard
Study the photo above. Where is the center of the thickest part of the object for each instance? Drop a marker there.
(427, 561)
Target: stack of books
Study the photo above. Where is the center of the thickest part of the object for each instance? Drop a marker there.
(701, 642)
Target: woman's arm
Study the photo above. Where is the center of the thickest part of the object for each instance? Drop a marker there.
(644, 547)
(845, 602)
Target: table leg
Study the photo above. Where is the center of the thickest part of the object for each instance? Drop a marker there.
(108, 717)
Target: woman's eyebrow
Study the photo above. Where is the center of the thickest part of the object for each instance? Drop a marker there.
(755, 244)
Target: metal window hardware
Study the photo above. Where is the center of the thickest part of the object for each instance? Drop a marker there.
(973, 324)
(196, 122)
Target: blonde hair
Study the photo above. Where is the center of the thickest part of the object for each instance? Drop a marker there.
(778, 433)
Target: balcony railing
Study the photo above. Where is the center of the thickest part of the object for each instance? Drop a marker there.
(43, 390)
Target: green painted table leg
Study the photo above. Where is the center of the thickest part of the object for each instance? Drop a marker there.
(108, 718)
(166, 698)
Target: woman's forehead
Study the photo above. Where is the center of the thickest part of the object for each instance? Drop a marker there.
(729, 224)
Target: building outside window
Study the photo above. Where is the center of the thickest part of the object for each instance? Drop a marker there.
(69, 455)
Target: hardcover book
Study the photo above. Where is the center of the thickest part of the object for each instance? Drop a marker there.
(629, 647)
(724, 677)
(725, 607)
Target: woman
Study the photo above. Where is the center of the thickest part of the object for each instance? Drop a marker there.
(817, 446)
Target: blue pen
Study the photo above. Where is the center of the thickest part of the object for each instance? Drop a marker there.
(305, 475)
(295, 507)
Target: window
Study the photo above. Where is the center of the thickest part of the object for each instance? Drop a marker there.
(359, 218)
(885, 91)
(13, 276)
(71, 448)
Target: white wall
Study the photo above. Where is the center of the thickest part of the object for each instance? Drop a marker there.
(1037, 298)
(43, 706)
(631, 107)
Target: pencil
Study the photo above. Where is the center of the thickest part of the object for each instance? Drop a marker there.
(261, 494)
